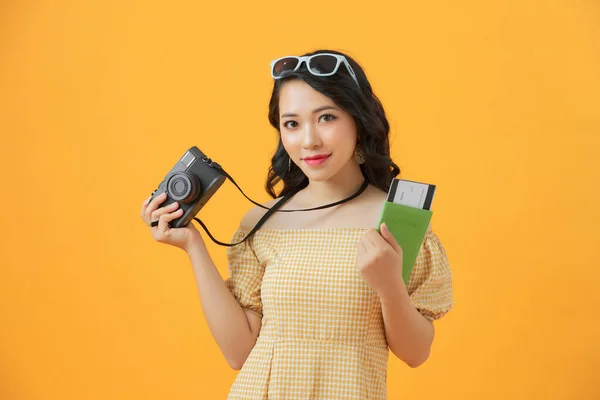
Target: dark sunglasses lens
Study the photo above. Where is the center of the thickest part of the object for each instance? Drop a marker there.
(324, 64)
(284, 66)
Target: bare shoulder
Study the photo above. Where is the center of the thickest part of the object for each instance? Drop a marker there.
(375, 194)
(253, 215)
(372, 198)
(362, 211)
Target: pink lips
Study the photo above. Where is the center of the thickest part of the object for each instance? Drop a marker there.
(316, 160)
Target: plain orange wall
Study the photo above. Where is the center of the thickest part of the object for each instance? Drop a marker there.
(495, 102)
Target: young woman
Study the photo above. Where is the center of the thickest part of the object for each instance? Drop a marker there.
(315, 299)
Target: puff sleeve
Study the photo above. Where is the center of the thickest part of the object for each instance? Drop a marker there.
(430, 283)
(245, 274)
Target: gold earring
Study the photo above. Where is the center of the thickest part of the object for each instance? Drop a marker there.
(359, 155)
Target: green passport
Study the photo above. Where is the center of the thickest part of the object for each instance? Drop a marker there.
(409, 225)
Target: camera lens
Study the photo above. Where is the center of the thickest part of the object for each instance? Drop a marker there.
(183, 187)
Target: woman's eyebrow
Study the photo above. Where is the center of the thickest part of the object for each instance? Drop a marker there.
(314, 111)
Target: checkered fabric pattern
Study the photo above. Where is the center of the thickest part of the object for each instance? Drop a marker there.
(322, 334)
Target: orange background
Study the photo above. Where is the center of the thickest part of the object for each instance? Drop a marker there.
(495, 102)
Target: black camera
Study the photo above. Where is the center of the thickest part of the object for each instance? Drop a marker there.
(191, 182)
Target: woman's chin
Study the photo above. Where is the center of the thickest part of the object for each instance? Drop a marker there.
(321, 175)
(318, 176)
(327, 172)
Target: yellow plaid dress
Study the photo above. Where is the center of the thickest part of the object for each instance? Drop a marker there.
(322, 334)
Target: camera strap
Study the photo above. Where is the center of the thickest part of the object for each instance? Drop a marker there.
(281, 202)
(215, 165)
(271, 210)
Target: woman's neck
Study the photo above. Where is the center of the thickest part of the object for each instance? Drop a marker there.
(344, 184)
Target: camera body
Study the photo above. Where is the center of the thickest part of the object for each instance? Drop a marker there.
(191, 182)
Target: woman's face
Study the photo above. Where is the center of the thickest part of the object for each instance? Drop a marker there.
(313, 126)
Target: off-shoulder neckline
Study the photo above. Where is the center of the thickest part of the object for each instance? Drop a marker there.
(310, 230)
(305, 229)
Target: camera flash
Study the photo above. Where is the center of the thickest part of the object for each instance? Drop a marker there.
(188, 159)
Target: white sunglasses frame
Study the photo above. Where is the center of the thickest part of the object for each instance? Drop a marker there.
(306, 59)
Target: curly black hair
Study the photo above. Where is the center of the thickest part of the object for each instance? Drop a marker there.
(368, 113)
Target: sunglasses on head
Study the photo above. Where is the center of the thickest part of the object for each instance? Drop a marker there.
(323, 64)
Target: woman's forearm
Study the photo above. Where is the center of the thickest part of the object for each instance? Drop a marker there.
(409, 334)
(226, 319)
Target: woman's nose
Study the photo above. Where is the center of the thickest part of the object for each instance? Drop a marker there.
(311, 137)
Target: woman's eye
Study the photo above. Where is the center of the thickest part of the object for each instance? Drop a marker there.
(290, 124)
(328, 117)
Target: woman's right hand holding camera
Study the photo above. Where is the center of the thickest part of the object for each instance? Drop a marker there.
(163, 233)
